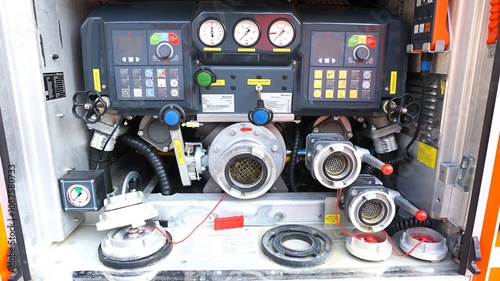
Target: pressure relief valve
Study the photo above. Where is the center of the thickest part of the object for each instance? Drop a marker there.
(260, 116)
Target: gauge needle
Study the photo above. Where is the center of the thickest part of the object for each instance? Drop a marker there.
(246, 33)
(212, 30)
(281, 32)
(78, 195)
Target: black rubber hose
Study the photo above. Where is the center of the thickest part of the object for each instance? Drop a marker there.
(367, 169)
(156, 162)
(400, 223)
(293, 159)
(101, 160)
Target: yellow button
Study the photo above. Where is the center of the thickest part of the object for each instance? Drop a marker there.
(353, 94)
(342, 74)
(317, 93)
(341, 94)
(362, 39)
(318, 74)
(342, 84)
(329, 94)
(330, 74)
(318, 84)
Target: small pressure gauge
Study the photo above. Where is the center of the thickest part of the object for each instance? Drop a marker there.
(78, 195)
(246, 32)
(281, 33)
(211, 32)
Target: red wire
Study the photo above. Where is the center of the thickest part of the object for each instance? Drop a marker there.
(339, 194)
(396, 252)
(189, 235)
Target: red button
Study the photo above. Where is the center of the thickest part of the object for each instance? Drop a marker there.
(173, 38)
(371, 41)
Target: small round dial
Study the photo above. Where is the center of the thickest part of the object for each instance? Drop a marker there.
(211, 32)
(281, 33)
(78, 195)
(246, 33)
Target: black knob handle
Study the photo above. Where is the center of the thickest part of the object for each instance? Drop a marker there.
(361, 52)
(164, 50)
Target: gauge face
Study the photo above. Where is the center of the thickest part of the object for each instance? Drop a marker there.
(281, 33)
(78, 195)
(246, 33)
(212, 32)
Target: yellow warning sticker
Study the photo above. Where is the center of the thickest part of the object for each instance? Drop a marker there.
(394, 82)
(219, 82)
(255, 82)
(427, 154)
(208, 49)
(97, 79)
(281, 50)
(246, 50)
(332, 218)
(179, 152)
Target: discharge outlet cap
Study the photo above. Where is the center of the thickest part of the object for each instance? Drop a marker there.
(172, 118)
(261, 117)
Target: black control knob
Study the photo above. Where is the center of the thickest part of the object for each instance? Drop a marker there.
(361, 52)
(164, 50)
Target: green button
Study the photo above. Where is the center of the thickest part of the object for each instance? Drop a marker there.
(154, 39)
(353, 41)
(204, 78)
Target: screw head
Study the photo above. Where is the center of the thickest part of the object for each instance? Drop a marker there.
(140, 133)
(274, 148)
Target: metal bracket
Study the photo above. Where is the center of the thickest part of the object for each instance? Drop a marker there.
(474, 255)
(464, 166)
(262, 218)
(426, 48)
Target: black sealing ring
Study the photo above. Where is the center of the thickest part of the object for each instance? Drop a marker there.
(142, 262)
(320, 250)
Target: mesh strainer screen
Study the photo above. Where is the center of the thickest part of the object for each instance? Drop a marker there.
(246, 171)
(371, 210)
(335, 164)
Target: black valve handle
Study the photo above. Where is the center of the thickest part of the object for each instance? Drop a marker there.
(93, 106)
(402, 110)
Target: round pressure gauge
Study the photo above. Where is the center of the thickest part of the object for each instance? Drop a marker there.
(78, 195)
(246, 32)
(211, 32)
(281, 33)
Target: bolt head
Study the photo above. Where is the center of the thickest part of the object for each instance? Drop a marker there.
(140, 133)
(354, 192)
(315, 130)
(274, 148)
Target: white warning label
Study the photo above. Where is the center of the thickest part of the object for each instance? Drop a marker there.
(278, 102)
(217, 103)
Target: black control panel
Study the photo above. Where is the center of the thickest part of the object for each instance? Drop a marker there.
(307, 60)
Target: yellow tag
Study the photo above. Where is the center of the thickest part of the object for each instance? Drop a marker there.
(394, 82)
(341, 94)
(246, 50)
(207, 49)
(97, 79)
(442, 86)
(318, 74)
(281, 50)
(427, 154)
(255, 82)
(332, 218)
(329, 94)
(179, 152)
(353, 94)
(219, 82)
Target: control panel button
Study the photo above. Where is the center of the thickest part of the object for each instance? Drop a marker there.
(367, 74)
(204, 78)
(361, 52)
(164, 50)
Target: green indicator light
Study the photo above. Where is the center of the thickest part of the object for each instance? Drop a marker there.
(353, 41)
(154, 39)
(203, 78)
